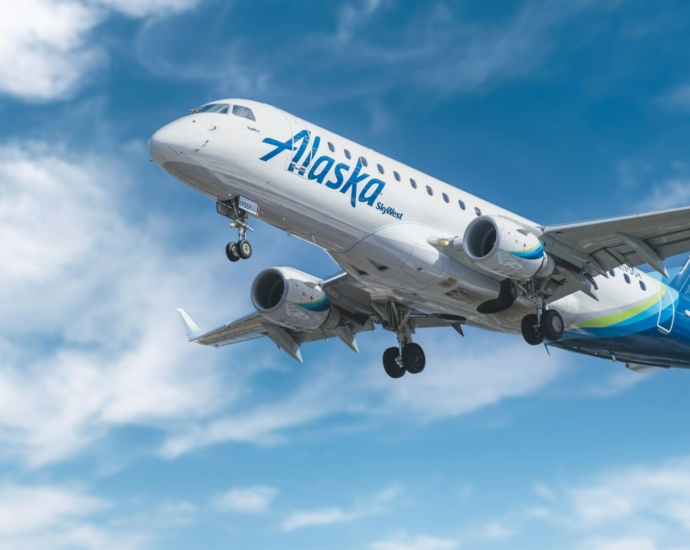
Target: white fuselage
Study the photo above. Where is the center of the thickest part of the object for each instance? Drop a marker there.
(378, 234)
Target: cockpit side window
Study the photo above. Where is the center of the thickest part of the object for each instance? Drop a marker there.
(221, 108)
(244, 112)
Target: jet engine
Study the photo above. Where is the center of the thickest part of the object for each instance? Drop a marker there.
(294, 299)
(506, 248)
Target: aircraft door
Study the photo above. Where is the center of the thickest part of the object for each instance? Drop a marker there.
(303, 149)
(667, 309)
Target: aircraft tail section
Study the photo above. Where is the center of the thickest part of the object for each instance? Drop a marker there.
(190, 327)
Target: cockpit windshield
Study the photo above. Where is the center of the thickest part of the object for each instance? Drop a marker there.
(244, 112)
(221, 108)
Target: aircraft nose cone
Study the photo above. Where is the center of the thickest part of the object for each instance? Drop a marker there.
(170, 143)
(160, 143)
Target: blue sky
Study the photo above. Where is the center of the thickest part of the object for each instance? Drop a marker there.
(115, 433)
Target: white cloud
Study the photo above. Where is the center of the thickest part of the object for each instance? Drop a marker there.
(28, 509)
(544, 491)
(419, 542)
(314, 518)
(55, 517)
(265, 423)
(496, 530)
(248, 500)
(618, 382)
(144, 8)
(91, 340)
(672, 193)
(43, 52)
(447, 388)
(626, 543)
(48, 49)
(482, 370)
(369, 506)
(663, 492)
(448, 53)
(677, 99)
(351, 17)
(451, 385)
(630, 508)
(432, 48)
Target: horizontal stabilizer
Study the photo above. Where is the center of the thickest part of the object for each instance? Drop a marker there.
(190, 327)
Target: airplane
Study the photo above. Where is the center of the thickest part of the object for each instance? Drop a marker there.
(416, 252)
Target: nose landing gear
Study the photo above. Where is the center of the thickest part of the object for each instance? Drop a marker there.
(547, 324)
(240, 250)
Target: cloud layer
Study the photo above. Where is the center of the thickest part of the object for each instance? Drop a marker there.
(47, 49)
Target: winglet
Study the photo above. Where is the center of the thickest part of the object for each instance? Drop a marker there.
(190, 327)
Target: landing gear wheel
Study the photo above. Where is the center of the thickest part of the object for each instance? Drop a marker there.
(552, 325)
(231, 252)
(244, 249)
(531, 331)
(413, 358)
(390, 365)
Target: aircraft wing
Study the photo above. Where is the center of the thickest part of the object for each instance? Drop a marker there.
(601, 245)
(353, 300)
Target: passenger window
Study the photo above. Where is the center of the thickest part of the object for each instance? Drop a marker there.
(396, 176)
(612, 273)
(445, 198)
(244, 112)
(221, 108)
(462, 204)
(380, 168)
(627, 279)
(364, 161)
(643, 286)
(477, 211)
(430, 191)
(347, 154)
(413, 183)
(331, 147)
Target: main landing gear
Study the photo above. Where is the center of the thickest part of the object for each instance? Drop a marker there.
(545, 324)
(240, 250)
(407, 356)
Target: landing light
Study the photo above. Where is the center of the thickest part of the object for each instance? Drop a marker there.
(438, 242)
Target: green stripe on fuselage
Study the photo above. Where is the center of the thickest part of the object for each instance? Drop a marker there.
(622, 316)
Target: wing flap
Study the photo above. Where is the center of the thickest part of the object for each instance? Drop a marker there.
(611, 242)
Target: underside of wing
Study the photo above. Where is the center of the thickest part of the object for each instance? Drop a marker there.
(625, 240)
(357, 310)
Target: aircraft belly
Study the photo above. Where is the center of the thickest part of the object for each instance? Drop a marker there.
(645, 347)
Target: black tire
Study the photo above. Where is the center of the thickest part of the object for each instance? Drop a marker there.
(390, 365)
(244, 249)
(231, 252)
(413, 358)
(530, 330)
(552, 325)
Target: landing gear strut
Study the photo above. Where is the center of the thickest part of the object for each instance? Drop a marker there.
(408, 356)
(545, 324)
(240, 250)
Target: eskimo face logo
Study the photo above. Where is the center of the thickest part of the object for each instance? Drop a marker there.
(325, 170)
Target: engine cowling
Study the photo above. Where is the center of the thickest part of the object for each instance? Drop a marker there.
(505, 247)
(294, 299)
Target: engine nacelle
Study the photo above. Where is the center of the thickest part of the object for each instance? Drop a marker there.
(293, 299)
(506, 248)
